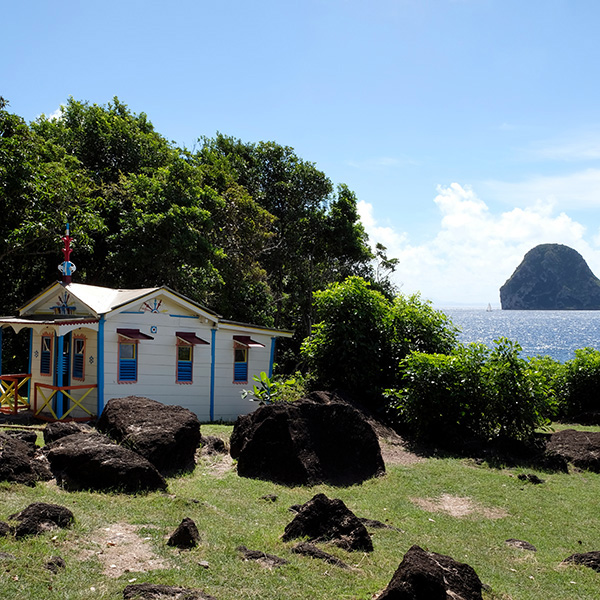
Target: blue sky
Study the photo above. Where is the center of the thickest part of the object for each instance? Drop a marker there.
(469, 129)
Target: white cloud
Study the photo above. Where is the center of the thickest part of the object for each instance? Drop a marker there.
(56, 115)
(475, 251)
(575, 148)
(575, 190)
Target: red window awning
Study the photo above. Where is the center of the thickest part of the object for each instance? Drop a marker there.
(134, 334)
(190, 337)
(247, 341)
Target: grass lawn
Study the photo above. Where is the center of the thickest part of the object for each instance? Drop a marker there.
(451, 506)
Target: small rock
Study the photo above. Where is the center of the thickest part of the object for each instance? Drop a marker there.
(149, 591)
(5, 529)
(269, 498)
(306, 549)
(586, 559)
(521, 544)
(322, 519)
(269, 560)
(39, 517)
(186, 536)
(531, 478)
(55, 564)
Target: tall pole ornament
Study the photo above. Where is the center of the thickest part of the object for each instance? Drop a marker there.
(67, 268)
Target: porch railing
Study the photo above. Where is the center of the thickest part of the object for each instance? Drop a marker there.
(12, 400)
(45, 394)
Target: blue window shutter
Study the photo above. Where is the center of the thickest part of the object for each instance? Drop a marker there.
(240, 371)
(184, 370)
(78, 366)
(127, 369)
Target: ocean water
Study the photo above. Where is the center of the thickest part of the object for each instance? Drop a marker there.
(539, 332)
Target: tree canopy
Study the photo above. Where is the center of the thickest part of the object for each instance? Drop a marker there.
(249, 229)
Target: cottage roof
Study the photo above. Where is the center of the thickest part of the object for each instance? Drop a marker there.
(102, 300)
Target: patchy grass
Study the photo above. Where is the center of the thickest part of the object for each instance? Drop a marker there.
(451, 506)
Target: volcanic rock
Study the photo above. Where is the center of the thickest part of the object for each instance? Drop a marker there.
(149, 591)
(167, 436)
(521, 544)
(55, 564)
(586, 559)
(322, 519)
(186, 535)
(551, 277)
(580, 448)
(94, 462)
(5, 529)
(211, 444)
(269, 560)
(306, 443)
(60, 429)
(15, 461)
(310, 550)
(426, 575)
(39, 517)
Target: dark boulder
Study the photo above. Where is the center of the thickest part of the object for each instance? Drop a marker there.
(149, 591)
(94, 462)
(60, 429)
(322, 519)
(39, 517)
(16, 461)
(585, 559)
(426, 575)
(167, 436)
(186, 535)
(306, 443)
(29, 437)
(580, 448)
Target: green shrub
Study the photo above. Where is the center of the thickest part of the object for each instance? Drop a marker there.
(472, 392)
(361, 336)
(578, 383)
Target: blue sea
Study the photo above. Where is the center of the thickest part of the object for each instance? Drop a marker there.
(539, 332)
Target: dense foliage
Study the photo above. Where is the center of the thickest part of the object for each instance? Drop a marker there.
(574, 385)
(361, 335)
(250, 230)
(472, 392)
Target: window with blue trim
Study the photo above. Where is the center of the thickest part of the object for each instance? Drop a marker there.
(185, 361)
(240, 365)
(128, 361)
(46, 355)
(78, 357)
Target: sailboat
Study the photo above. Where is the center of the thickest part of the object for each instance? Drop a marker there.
(489, 308)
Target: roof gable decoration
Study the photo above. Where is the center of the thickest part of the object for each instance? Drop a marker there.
(64, 304)
(153, 306)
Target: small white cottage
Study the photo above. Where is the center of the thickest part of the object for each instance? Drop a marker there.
(89, 344)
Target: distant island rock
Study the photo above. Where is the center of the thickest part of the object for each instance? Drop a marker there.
(551, 277)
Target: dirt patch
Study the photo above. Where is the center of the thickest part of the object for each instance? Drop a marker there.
(458, 506)
(394, 453)
(120, 549)
(217, 464)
